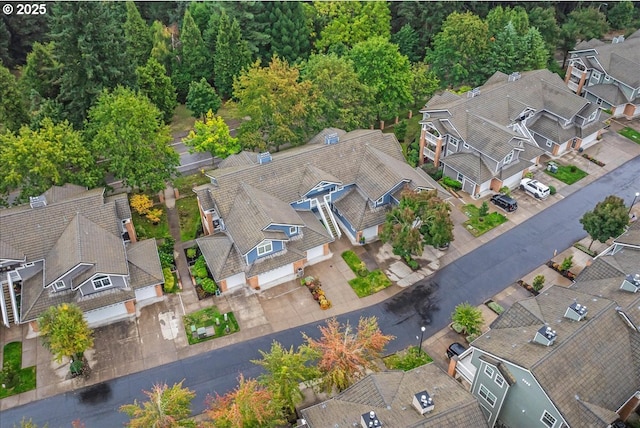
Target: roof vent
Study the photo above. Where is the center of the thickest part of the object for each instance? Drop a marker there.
(331, 138)
(423, 402)
(576, 312)
(264, 157)
(631, 283)
(370, 420)
(473, 93)
(514, 76)
(545, 336)
(38, 201)
(618, 39)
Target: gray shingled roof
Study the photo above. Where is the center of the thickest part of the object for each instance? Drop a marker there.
(314, 176)
(610, 93)
(8, 252)
(221, 256)
(354, 206)
(594, 359)
(144, 264)
(619, 60)
(390, 395)
(470, 165)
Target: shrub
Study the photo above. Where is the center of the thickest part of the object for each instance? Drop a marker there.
(167, 245)
(153, 215)
(353, 261)
(567, 263)
(169, 280)
(495, 307)
(141, 203)
(207, 284)
(552, 190)
(528, 175)
(573, 168)
(483, 210)
(414, 357)
(166, 260)
(191, 253)
(414, 265)
(400, 129)
(450, 182)
(199, 269)
(468, 317)
(538, 282)
(505, 190)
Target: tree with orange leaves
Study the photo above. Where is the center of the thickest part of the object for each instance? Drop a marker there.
(249, 405)
(345, 353)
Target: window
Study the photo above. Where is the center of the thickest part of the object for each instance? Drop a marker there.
(487, 395)
(509, 157)
(101, 282)
(549, 143)
(460, 177)
(596, 75)
(592, 116)
(293, 230)
(465, 145)
(548, 419)
(59, 285)
(265, 248)
(453, 141)
(488, 371)
(499, 380)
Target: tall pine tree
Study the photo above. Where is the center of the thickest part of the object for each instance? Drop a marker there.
(193, 62)
(89, 45)
(231, 55)
(287, 29)
(137, 36)
(156, 85)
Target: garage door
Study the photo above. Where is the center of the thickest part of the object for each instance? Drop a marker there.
(236, 280)
(513, 181)
(146, 293)
(101, 316)
(315, 252)
(276, 274)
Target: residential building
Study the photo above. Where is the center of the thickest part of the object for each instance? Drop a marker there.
(73, 245)
(267, 216)
(491, 136)
(568, 357)
(423, 397)
(608, 74)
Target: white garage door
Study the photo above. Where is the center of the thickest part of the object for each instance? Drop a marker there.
(236, 280)
(276, 274)
(106, 314)
(315, 252)
(146, 293)
(513, 181)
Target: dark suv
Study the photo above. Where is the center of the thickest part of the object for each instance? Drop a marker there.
(505, 202)
(455, 349)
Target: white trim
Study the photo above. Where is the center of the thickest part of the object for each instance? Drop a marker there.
(56, 283)
(101, 280)
(499, 380)
(487, 395)
(453, 141)
(261, 249)
(508, 158)
(488, 370)
(293, 230)
(542, 419)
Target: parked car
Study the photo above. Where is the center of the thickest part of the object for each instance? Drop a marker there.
(455, 348)
(534, 188)
(505, 202)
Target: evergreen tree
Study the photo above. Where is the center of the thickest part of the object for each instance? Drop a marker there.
(89, 45)
(4, 43)
(202, 97)
(544, 19)
(137, 36)
(41, 72)
(201, 12)
(156, 85)
(193, 63)
(12, 110)
(407, 41)
(252, 24)
(231, 55)
(162, 44)
(534, 54)
(620, 15)
(500, 17)
(210, 34)
(287, 30)
(503, 51)
(23, 31)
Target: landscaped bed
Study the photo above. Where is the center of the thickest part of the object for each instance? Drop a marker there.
(367, 282)
(189, 217)
(146, 229)
(209, 323)
(477, 225)
(631, 134)
(407, 359)
(15, 378)
(568, 174)
(185, 183)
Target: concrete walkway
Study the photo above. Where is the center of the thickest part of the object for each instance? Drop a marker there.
(157, 335)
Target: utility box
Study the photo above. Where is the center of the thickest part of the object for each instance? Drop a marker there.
(552, 168)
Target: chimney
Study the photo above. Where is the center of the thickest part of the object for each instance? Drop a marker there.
(545, 336)
(423, 402)
(576, 312)
(631, 283)
(370, 420)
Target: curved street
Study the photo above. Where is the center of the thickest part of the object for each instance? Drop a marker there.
(474, 277)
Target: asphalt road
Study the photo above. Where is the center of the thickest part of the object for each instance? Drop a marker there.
(474, 278)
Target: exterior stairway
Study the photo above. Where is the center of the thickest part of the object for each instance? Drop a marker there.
(7, 302)
(329, 221)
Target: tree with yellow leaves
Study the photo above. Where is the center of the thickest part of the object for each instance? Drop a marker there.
(167, 407)
(65, 332)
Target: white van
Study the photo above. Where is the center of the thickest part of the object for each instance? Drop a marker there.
(534, 188)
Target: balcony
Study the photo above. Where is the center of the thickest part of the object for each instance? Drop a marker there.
(577, 72)
(431, 138)
(465, 369)
(573, 86)
(429, 154)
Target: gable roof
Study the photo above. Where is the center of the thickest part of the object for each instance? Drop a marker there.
(390, 394)
(144, 264)
(619, 60)
(592, 363)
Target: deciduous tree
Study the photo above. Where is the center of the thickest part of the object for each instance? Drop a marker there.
(65, 332)
(278, 103)
(607, 220)
(247, 406)
(127, 131)
(620, 15)
(544, 19)
(156, 85)
(384, 69)
(424, 83)
(284, 371)
(211, 134)
(202, 97)
(590, 22)
(407, 40)
(137, 36)
(166, 407)
(346, 353)
(34, 160)
(499, 17)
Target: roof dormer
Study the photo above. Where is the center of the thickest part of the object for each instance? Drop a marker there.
(576, 312)
(631, 283)
(545, 336)
(370, 420)
(423, 402)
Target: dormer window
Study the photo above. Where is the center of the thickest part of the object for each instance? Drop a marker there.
(596, 74)
(592, 116)
(265, 248)
(59, 285)
(293, 230)
(509, 157)
(101, 282)
(453, 141)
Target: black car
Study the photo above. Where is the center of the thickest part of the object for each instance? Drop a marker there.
(455, 349)
(505, 202)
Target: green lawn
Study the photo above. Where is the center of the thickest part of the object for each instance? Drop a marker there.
(631, 134)
(229, 111)
(189, 217)
(477, 226)
(182, 120)
(407, 359)
(353, 261)
(184, 183)
(372, 283)
(146, 229)
(23, 379)
(568, 174)
(206, 318)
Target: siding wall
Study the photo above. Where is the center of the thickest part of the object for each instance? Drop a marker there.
(253, 254)
(116, 282)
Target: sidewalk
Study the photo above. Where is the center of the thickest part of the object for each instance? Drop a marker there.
(157, 335)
